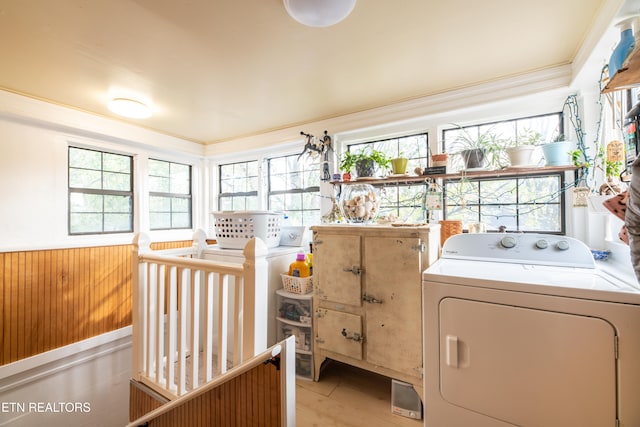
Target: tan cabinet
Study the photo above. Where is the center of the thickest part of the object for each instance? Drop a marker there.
(368, 296)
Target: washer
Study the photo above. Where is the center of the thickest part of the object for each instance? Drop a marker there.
(525, 330)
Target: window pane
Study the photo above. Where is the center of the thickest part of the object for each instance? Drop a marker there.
(82, 202)
(159, 220)
(83, 178)
(86, 159)
(120, 204)
(159, 204)
(117, 222)
(159, 184)
(116, 181)
(117, 163)
(85, 223)
(181, 220)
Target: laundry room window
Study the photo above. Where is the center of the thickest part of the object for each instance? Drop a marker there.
(169, 195)
(294, 188)
(100, 192)
(404, 201)
(238, 186)
(527, 203)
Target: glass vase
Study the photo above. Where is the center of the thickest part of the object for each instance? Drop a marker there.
(359, 203)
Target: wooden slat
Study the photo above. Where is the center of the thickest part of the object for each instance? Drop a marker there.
(248, 400)
(51, 298)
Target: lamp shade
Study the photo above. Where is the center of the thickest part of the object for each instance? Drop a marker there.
(319, 13)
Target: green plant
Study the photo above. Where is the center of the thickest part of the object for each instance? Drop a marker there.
(528, 137)
(487, 141)
(576, 156)
(349, 159)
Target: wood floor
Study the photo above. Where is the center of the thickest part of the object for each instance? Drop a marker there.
(347, 396)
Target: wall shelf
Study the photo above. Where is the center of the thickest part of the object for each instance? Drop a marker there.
(500, 173)
(628, 75)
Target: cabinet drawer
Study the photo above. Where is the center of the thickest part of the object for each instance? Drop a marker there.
(340, 332)
(304, 366)
(302, 334)
(296, 310)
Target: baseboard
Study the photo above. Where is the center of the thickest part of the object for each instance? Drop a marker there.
(36, 367)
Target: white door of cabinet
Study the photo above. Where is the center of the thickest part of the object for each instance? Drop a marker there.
(393, 300)
(527, 367)
(338, 276)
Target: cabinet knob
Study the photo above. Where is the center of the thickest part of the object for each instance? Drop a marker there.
(354, 269)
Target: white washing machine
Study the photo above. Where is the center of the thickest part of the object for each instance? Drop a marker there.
(525, 330)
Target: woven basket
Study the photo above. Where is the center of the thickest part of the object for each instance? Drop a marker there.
(449, 228)
(297, 285)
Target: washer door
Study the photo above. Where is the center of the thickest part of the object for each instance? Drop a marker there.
(526, 366)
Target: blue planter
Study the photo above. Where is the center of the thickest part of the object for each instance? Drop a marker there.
(624, 47)
(557, 153)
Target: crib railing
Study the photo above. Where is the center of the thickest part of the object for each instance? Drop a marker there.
(195, 319)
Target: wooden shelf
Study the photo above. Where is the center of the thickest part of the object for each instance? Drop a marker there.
(628, 75)
(507, 172)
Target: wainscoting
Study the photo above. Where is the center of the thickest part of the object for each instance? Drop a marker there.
(52, 298)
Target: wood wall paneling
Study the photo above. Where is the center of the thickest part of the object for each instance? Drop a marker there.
(55, 297)
(248, 400)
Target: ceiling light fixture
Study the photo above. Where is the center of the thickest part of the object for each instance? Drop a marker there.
(129, 108)
(319, 13)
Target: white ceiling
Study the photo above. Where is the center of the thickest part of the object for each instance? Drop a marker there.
(216, 70)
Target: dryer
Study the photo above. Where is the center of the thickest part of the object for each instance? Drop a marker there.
(525, 330)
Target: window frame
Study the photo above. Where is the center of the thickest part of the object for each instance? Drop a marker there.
(244, 194)
(170, 195)
(102, 192)
(560, 175)
(292, 213)
(421, 188)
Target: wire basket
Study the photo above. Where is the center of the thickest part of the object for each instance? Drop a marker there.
(235, 228)
(448, 228)
(297, 285)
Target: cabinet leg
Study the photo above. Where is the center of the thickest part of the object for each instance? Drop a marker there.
(317, 364)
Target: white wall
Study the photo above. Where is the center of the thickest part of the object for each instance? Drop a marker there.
(33, 171)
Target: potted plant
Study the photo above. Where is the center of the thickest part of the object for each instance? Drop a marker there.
(365, 162)
(558, 152)
(399, 165)
(476, 151)
(520, 150)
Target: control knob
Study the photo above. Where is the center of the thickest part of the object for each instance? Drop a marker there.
(542, 244)
(563, 245)
(508, 242)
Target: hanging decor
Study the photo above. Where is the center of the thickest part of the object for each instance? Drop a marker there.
(313, 148)
(581, 197)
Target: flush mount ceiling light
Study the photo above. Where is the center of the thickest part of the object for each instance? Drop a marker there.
(319, 13)
(129, 108)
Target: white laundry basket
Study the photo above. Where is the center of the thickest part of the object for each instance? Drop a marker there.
(235, 228)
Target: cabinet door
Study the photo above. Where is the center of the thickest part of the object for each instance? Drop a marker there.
(336, 268)
(393, 300)
(340, 332)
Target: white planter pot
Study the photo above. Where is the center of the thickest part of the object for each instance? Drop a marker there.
(521, 155)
